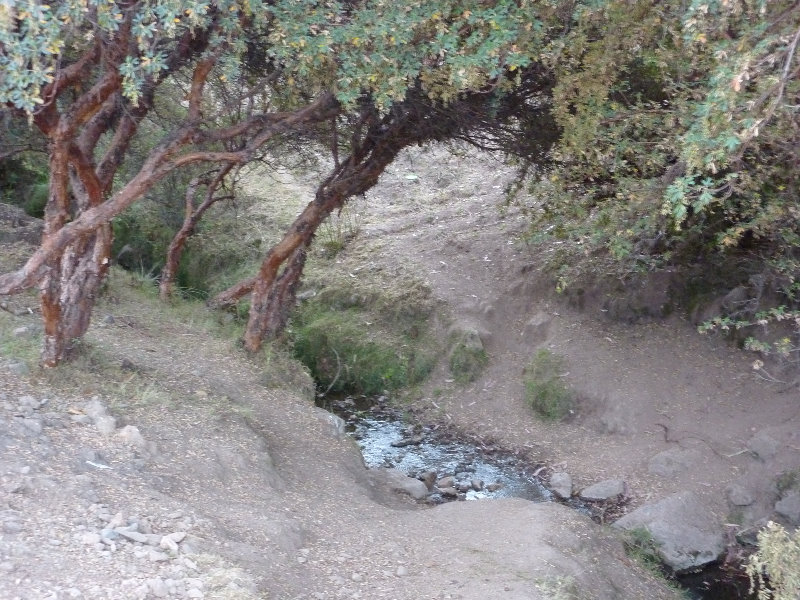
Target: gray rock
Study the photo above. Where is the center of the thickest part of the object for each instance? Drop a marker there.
(610, 489)
(90, 538)
(673, 461)
(789, 507)
(177, 536)
(168, 544)
(158, 587)
(477, 484)
(12, 527)
(686, 531)
(132, 436)
(738, 495)
(18, 368)
(24, 331)
(446, 482)
(108, 320)
(400, 482)
(94, 408)
(106, 424)
(33, 425)
(561, 484)
(763, 445)
(134, 536)
(28, 402)
(335, 424)
(401, 571)
(493, 487)
(156, 556)
(448, 492)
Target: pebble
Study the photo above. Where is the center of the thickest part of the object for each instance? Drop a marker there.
(91, 539)
(156, 556)
(158, 587)
(194, 593)
(357, 577)
(401, 571)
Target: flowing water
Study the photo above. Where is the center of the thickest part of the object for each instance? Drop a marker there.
(387, 441)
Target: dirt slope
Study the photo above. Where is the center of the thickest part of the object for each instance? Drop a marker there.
(644, 389)
(227, 489)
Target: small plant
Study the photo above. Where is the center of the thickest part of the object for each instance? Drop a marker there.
(545, 390)
(640, 545)
(340, 228)
(468, 358)
(774, 569)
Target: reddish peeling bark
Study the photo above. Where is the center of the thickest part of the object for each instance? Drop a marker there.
(272, 296)
(192, 216)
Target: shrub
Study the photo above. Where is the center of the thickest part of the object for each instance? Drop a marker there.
(774, 569)
(344, 353)
(545, 390)
(468, 358)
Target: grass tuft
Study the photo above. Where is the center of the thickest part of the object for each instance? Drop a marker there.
(545, 390)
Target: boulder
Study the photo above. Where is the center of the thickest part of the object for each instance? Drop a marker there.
(673, 461)
(561, 484)
(400, 482)
(610, 489)
(789, 507)
(686, 531)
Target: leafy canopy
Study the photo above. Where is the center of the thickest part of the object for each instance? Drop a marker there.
(376, 47)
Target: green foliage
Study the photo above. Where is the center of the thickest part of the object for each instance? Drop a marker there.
(679, 139)
(545, 390)
(640, 545)
(774, 569)
(467, 357)
(344, 352)
(23, 182)
(786, 348)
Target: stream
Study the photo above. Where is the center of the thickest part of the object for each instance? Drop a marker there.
(471, 471)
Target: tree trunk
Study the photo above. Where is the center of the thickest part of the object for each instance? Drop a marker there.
(69, 288)
(191, 217)
(283, 295)
(272, 297)
(69, 291)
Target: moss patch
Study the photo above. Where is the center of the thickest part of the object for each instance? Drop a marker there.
(545, 390)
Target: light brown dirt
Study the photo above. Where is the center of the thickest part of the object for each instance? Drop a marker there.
(643, 388)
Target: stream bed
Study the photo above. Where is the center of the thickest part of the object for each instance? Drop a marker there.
(479, 472)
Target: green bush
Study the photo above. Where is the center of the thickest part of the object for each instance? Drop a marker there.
(774, 569)
(468, 358)
(545, 390)
(346, 354)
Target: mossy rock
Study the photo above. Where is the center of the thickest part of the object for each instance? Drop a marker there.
(468, 357)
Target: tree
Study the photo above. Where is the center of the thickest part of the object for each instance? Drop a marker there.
(86, 73)
(680, 141)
